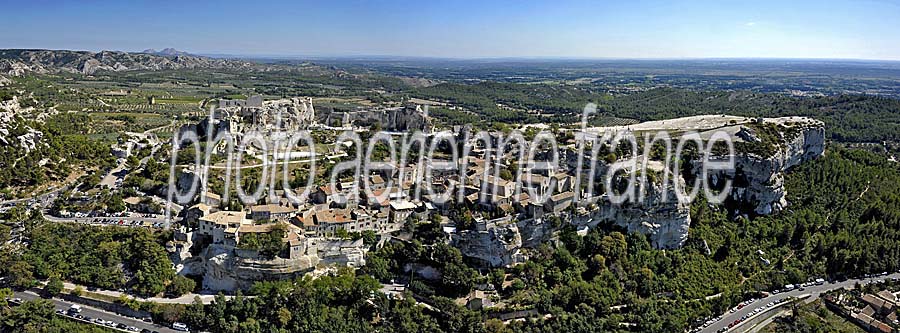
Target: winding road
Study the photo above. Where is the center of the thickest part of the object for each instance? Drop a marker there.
(813, 291)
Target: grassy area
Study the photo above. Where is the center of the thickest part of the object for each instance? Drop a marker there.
(235, 96)
(180, 100)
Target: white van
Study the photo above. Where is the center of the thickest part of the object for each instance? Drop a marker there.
(180, 327)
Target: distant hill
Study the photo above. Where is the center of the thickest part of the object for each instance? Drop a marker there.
(167, 52)
(17, 61)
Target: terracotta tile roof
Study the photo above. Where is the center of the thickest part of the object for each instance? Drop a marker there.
(333, 216)
(888, 296)
(225, 217)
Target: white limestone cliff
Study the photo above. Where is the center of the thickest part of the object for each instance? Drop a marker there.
(758, 184)
(15, 132)
(500, 242)
(759, 178)
(223, 270)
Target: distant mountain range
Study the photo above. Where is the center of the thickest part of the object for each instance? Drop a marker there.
(167, 52)
(17, 61)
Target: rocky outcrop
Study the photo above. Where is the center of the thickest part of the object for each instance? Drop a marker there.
(227, 268)
(500, 242)
(30, 139)
(405, 119)
(15, 132)
(400, 119)
(294, 113)
(18, 62)
(758, 176)
(223, 270)
(765, 150)
(660, 215)
(505, 241)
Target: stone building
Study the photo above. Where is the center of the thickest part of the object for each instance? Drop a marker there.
(272, 212)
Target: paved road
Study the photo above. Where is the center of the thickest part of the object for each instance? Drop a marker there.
(109, 180)
(759, 325)
(755, 321)
(813, 291)
(43, 199)
(97, 313)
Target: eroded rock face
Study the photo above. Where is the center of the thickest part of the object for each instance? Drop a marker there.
(407, 118)
(226, 268)
(15, 132)
(222, 270)
(499, 242)
(30, 139)
(294, 113)
(19, 62)
(660, 215)
(759, 180)
(665, 220)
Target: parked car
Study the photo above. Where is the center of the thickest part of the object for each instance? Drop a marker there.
(180, 327)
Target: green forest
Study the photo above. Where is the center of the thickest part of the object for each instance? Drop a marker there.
(104, 257)
(38, 316)
(65, 143)
(848, 118)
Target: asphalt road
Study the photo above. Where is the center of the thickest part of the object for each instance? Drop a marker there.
(43, 199)
(814, 292)
(97, 313)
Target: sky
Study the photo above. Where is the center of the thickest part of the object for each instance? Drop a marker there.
(862, 29)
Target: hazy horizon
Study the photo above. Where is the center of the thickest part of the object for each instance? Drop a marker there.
(401, 57)
(706, 29)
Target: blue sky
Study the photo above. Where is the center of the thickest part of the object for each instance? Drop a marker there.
(866, 29)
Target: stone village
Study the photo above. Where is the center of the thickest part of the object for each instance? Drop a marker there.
(223, 246)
